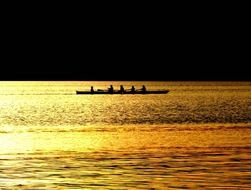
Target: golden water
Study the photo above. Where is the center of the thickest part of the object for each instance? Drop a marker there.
(195, 137)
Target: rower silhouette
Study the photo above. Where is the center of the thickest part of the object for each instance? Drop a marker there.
(122, 90)
(143, 89)
(110, 90)
(92, 90)
(133, 89)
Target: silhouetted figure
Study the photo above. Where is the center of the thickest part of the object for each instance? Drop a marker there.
(143, 89)
(110, 89)
(133, 89)
(122, 90)
(92, 90)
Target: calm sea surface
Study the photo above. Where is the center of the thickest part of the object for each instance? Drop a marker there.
(198, 136)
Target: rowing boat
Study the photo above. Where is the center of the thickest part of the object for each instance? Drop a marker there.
(125, 92)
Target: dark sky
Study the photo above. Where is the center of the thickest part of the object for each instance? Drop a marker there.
(163, 46)
(125, 61)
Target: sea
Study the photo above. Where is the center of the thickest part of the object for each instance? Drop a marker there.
(198, 136)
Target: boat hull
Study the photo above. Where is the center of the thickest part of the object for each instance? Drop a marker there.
(126, 92)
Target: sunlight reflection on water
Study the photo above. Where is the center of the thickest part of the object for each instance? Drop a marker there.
(196, 137)
(126, 158)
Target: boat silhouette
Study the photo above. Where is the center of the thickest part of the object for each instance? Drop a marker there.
(124, 92)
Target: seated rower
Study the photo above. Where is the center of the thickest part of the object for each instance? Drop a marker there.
(122, 90)
(92, 90)
(110, 89)
(143, 89)
(133, 89)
